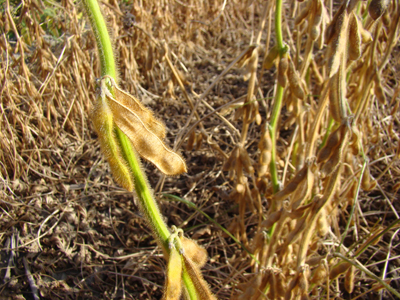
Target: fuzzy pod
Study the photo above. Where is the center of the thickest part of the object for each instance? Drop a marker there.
(318, 16)
(144, 114)
(143, 130)
(378, 90)
(377, 8)
(319, 275)
(318, 12)
(232, 160)
(293, 184)
(315, 32)
(355, 40)
(295, 81)
(349, 279)
(201, 286)
(240, 188)
(321, 38)
(333, 162)
(338, 43)
(103, 123)
(270, 57)
(194, 251)
(322, 223)
(295, 234)
(332, 143)
(334, 105)
(271, 219)
(245, 160)
(303, 282)
(302, 15)
(337, 95)
(282, 70)
(258, 118)
(256, 112)
(367, 182)
(366, 36)
(265, 142)
(173, 283)
(262, 170)
(338, 270)
(265, 157)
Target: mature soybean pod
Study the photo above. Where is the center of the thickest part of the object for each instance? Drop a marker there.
(354, 49)
(270, 57)
(173, 283)
(332, 144)
(295, 81)
(282, 70)
(104, 125)
(194, 251)
(377, 8)
(293, 184)
(339, 269)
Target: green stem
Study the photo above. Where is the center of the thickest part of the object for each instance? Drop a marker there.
(272, 131)
(103, 40)
(278, 98)
(148, 204)
(278, 24)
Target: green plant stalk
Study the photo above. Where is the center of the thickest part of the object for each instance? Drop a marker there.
(278, 24)
(103, 40)
(272, 132)
(148, 204)
(278, 98)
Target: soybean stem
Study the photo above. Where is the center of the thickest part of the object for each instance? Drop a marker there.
(278, 98)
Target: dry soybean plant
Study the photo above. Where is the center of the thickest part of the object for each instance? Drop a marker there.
(330, 96)
(284, 114)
